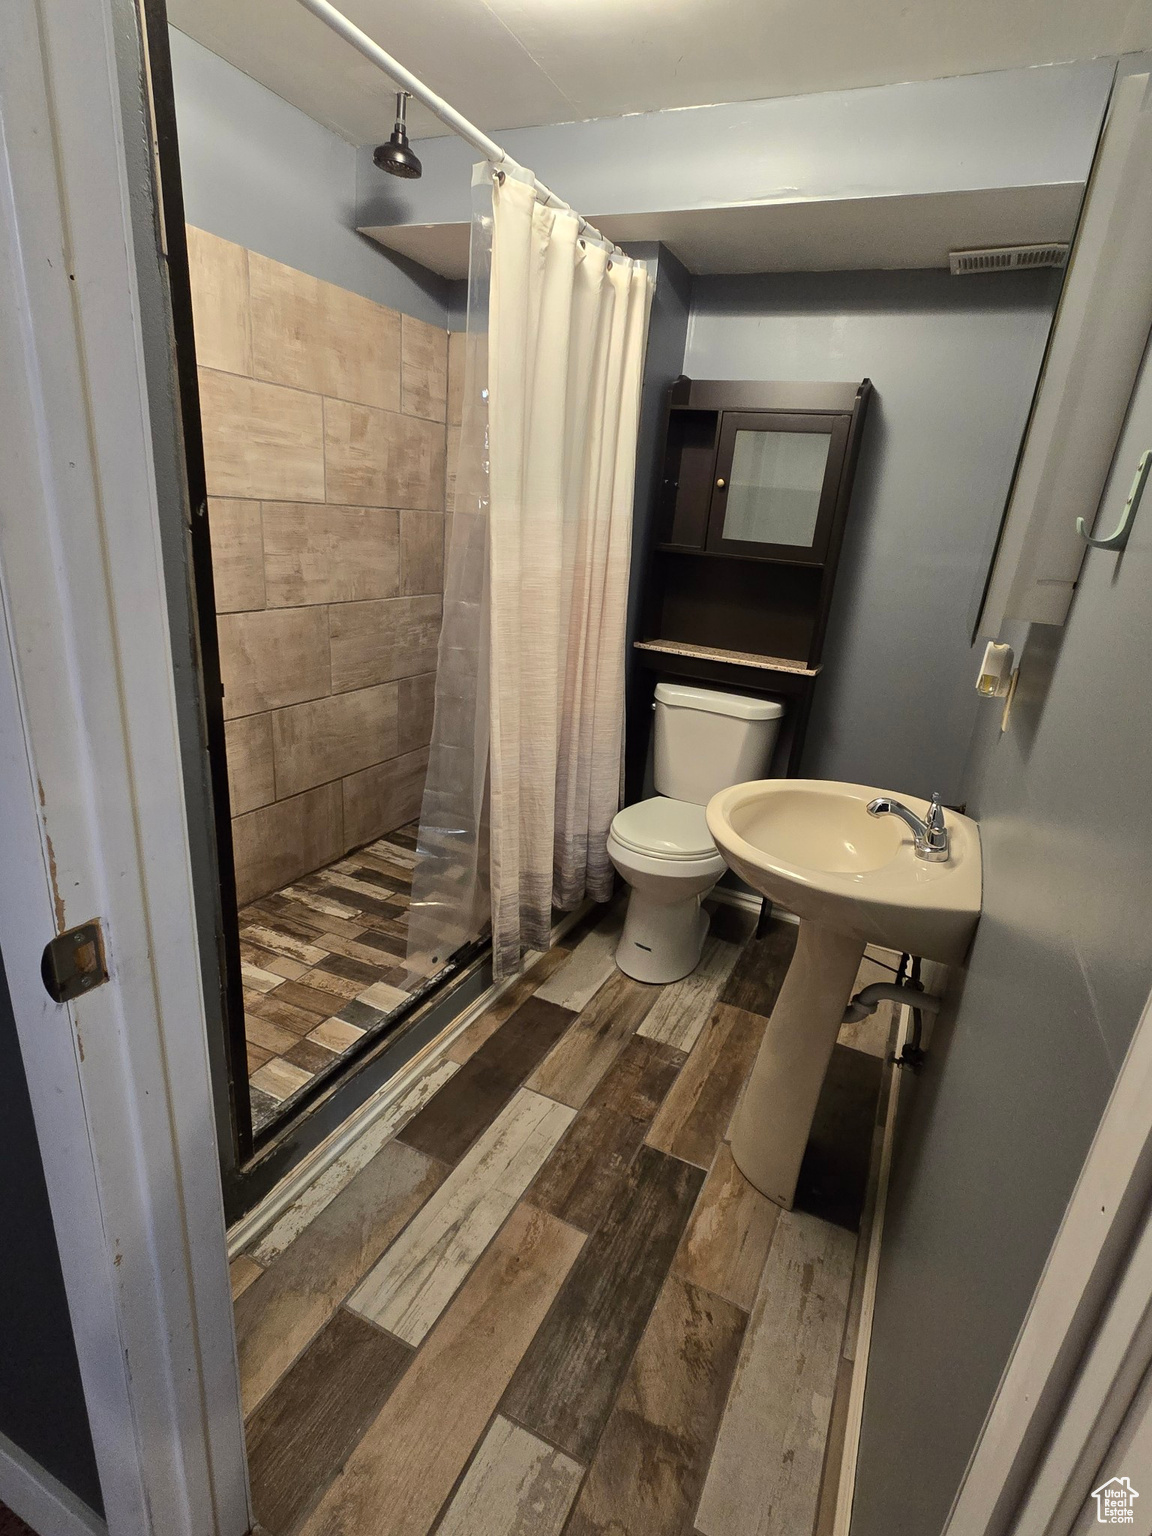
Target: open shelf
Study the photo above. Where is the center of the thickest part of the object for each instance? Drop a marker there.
(736, 658)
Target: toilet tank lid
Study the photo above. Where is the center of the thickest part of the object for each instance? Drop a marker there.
(713, 702)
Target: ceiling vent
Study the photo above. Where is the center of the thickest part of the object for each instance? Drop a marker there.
(1006, 258)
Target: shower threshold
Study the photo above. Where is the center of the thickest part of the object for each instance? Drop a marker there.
(324, 964)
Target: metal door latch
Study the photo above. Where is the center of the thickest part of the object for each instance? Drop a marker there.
(73, 963)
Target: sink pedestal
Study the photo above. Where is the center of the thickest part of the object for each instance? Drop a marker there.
(771, 1127)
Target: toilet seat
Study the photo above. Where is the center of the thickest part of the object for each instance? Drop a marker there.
(661, 828)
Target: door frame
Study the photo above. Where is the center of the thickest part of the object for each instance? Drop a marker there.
(1086, 1341)
(100, 802)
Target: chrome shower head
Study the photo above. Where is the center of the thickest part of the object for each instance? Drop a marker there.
(396, 156)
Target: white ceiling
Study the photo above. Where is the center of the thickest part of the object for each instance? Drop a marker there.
(518, 63)
(844, 234)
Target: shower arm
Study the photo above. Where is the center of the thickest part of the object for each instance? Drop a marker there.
(448, 115)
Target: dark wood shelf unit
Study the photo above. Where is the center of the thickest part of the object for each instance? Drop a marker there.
(741, 569)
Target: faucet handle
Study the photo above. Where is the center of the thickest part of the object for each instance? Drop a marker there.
(934, 820)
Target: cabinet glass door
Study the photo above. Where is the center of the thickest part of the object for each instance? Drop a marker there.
(776, 482)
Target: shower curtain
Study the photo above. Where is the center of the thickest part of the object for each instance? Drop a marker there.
(525, 765)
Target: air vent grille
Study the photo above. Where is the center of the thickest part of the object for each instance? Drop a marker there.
(1006, 258)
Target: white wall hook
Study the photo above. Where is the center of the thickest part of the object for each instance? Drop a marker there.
(1119, 539)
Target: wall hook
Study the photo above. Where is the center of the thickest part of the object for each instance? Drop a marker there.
(1119, 539)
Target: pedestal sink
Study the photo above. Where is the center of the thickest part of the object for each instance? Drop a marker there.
(852, 879)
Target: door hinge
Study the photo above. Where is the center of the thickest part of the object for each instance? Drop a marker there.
(74, 962)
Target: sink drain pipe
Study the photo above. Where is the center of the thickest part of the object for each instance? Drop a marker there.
(909, 992)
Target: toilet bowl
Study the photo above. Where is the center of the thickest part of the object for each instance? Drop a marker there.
(664, 851)
(705, 741)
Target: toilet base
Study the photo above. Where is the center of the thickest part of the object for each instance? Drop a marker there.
(661, 941)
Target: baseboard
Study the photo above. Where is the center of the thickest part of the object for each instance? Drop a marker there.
(846, 1487)
(748, 901)
(41, 1500)
(256, 1222)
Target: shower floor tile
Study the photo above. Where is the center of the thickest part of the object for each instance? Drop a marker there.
(323, 962)
(545, 1299)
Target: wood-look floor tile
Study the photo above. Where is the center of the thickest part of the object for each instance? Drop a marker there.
(602, 1029)
(324, 905)
(567, 1381)
(409, 1459)
(242, 1271)
(759, 973)
(764, 1479)
(312, 1057)
(335, 1035)
(312, 997)
(323, 1190)
(304, 1431)
(679, 1014)
(301, 1289)
(270, 1006)
(579, 1179)
(282, 943)
(727, 1241)
(352, 949)
(833, 1177)
(695, 1115)
(349, 969)
(258, 980)
(652, 1458)
(486, 1024)
(268, 1036)
(382, 996)
(588, 967)
(266, 960)
(417, 1277)
(515, 1486)
(453, 1120)
(280, 1079)
(257, 1055)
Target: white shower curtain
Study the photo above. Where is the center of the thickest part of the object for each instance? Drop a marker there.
(567, 326)
(547, 464)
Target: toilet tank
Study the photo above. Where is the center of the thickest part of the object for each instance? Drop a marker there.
(707, 740)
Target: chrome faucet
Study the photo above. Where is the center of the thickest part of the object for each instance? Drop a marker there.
(930, 837)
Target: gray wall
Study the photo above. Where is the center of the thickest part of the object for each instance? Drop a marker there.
(42, 1406)
(1002, 128)
(1021, 1067)
(954, 363)
(261, 173)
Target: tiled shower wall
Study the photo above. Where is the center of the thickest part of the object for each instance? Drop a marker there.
(324, 440)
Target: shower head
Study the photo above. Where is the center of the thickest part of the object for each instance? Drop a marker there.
(396, 156)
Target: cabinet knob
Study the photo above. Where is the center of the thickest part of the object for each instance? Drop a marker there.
(719, 485)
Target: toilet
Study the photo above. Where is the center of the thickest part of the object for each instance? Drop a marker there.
(705, 741)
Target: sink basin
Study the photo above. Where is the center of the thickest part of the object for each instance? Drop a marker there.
(811, 845)
(852, 879)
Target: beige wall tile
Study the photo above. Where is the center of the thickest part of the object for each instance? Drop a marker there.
(451, 463)
(219, 275)
(383, 798)
(280, 842)
(421, 552)
(375, 642)
(273, 658)
(237, 554)
(328, 738)
(424, 369)
(323, 554)
(381, 459)
(248, 748)
(315, 336)
(417, 696)
(262, 441)
(457, 342)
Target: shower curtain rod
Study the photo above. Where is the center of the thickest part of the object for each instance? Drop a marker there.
(447, 113)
